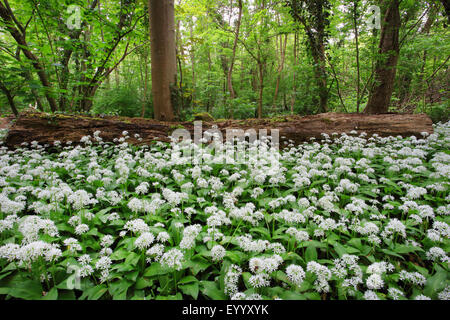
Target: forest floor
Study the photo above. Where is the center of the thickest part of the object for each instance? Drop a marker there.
(4, 123)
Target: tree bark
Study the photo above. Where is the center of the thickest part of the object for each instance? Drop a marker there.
(261, 87)
(358, 74)
(386, 67)
(164, 68)
(10, 98)
(233, 57)
(294, 84)
(46, 129)
(280, 70)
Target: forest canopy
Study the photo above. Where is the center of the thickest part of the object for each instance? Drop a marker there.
(234, 59)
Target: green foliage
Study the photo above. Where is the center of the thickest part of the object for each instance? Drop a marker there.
(122, 101)
(439, 112)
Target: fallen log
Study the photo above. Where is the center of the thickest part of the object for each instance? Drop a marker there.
(48, 128)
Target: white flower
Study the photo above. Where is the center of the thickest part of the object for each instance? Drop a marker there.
(72, 244)
(144, 240)
(85, 271)
(259, 280)
(163, 237)
(395, 293)
(173, 259)
(323, 275)
(231, 279)
(295, 274)
(189, 235)
(375, 282)
(218, 252)
(422, 297)
(81, 228)
(135, 205)
(370, 295)
(137, 226)
(103, 263)
(445, 294)
(107, 241)
(437, 253)
(9, 251)
(85, 259)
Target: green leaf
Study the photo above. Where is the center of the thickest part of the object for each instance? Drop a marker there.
(51, 295)
(392, 253)
(132, 259)
(25, 289)
(310, 254)
(401, 248)
(340, 249)
(435, 284)
(290, 295)
(188, 279)
(190, 289)
(211, 290)
(94, 293)
(143, 283)
(198, 263)
(178, 296)
(155, 269)
(118, 289)
(119, 254)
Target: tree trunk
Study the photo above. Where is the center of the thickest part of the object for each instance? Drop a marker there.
(10, 98)
(261, 89)
(294, 85)
(280, 70)
(145, 100)
(233, 56)
(192, 55)
(385, 70)
(164, 68)
(446, 4)
(358, 74)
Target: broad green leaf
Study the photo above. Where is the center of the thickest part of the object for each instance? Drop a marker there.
(211, 290)
(190, 289)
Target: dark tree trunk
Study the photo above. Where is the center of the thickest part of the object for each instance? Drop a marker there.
(385, 70)
(164, 66)
(230, 70)
(10, 98)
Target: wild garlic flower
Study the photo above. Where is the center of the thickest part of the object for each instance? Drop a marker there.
(172, 259)
(144, 240)
(84, 259)
(81, 229)
(413, 277)
(437, 254)
(103, 263)
(295, 274)
(231, 280)
(218, 252)
(163, 237)
(323, 275)
(370, 295)
(107, 241)
(137, 226)
(259, 280)
(155, 252)
(72, 245)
